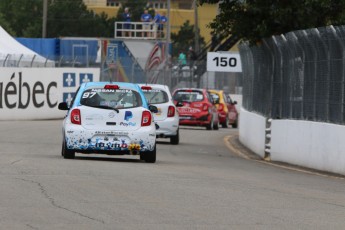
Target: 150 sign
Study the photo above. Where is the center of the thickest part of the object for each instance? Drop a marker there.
(223, 62)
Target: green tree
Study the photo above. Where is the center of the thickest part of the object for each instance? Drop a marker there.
(252, 20)
(184, 38)
(5, 24)
(22, 18)
(72, 18)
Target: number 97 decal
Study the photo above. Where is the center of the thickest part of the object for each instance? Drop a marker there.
(89, 94)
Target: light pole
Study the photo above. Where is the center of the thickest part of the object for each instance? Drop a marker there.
(44, 24)
(196, 27)
(167, 43)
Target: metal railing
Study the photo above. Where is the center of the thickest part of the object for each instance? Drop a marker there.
(137, 30)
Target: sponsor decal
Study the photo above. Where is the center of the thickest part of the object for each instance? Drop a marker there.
(112, 90)
(126, 124)
(128, 115)
(111, 115)
(111, 133)
(134, 147)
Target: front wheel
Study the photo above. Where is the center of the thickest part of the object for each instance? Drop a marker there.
(67, 153)
(216, 126)
(235, 125)
(174, 140)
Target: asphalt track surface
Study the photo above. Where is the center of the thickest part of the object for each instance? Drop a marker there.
(208, 181)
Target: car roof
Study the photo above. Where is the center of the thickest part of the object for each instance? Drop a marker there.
(157, 86)
(215, 91)
(198, 89)
(102, 84)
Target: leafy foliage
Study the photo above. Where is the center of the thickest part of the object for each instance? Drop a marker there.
(253, 20)
(23, 18)
(71, 18)
(184, 39)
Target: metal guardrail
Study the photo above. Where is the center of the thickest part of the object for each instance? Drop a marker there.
(137, 30)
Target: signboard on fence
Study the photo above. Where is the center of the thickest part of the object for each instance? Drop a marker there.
(224, 62)
(34, 93)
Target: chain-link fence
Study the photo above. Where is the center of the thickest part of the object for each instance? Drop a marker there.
(138, 70)
(298, 75)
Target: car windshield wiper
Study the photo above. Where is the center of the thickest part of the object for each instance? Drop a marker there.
(105, 107)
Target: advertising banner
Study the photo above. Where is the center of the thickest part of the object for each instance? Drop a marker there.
(34, 93)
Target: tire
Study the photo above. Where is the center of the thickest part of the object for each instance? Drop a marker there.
(174, 140)
(235, 125)
(225, 124)
(149, 156)
(67, 153)
(209, 126)
(216, 125)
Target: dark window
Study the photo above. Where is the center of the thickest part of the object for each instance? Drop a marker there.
(115, 98)
(156, 96)
(188, 95)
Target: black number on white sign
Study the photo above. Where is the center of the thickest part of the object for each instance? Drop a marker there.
(224, 61)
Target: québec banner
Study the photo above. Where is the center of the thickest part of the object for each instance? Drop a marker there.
(34, 93)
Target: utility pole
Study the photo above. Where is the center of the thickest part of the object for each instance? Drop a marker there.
(196, 27)
(167, 44)
(44, 24)
(168, 30)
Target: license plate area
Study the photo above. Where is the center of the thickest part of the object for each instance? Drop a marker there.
(186, 118)
(110, 142)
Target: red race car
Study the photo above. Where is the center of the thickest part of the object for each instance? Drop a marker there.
(196, 108)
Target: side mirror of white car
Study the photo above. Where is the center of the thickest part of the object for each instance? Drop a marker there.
(153, 109)
(63, 106)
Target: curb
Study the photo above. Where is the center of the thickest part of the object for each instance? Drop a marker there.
(234, 145)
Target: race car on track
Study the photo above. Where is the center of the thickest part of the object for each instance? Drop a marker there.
(167, 117)
(109, 118)
(227, 111)
(196, 108)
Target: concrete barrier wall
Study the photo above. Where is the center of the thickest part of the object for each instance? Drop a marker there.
(34, 93)
(309, 144)
(252, 131)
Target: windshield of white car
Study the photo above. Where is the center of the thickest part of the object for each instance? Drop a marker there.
(111, 98)
(156, 96)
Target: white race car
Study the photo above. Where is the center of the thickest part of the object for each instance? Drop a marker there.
(109, 118)
(167, 117)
